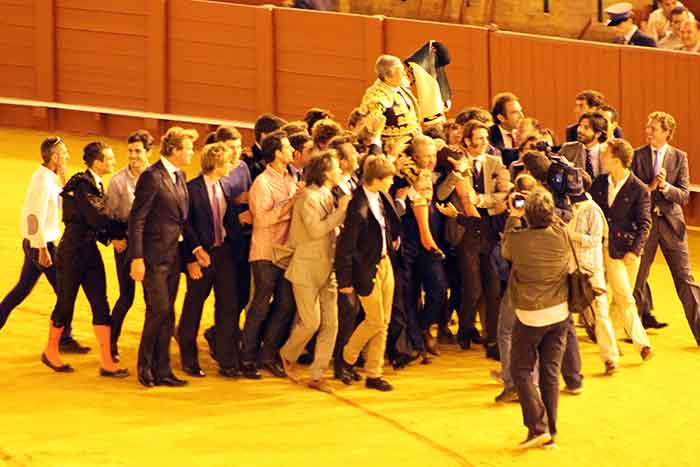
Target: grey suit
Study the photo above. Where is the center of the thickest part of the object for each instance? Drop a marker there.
(668, 231)
(312, 235)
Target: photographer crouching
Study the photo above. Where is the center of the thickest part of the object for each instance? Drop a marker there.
(540, 257)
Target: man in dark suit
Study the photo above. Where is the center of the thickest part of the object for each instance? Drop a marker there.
(621, 17)
(665, 170)
(507, 113)
(624, 200)
(592, 101)
(212, 227)
(264, 125)
(156, 228)
(363, 261)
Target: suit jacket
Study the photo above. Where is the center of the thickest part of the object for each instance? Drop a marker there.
(312, 235)
(629, 217)
(359, 246)
(575, 153)
(158, 216)
(199, 229)
(490, 164)
(668, 203)
(572, 132)
(496, 137)
(641, 39)
(85, 213)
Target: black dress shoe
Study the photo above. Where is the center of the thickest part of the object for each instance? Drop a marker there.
(194, 371)
(145, 377)
(58, 369)
(70, 345)
(171, 380)
(230, 372)
(118, 373)
(249, 371)
(379, 384)
(210, 338)
(355, 375)
(464, 343)
(650, 322)
(275, 368)
(492, 352)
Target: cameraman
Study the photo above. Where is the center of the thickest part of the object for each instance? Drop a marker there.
(538, 288)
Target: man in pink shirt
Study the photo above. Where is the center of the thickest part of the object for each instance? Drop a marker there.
(271, 199)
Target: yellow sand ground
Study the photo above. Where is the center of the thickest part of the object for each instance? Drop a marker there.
(439, 415)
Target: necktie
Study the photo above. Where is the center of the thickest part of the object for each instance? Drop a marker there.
(657, 162)
(351, 185)
(216, 214)
(589, 163)
(100, 186)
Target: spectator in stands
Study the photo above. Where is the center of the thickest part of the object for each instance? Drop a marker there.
(690, 36)
(506, 113)
(621, 17)
(272, 197)
(120, 197)
(672, 40)
(660, 22)
(264, 125)
(541, 259)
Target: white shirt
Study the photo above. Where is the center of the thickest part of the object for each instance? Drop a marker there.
(345, 186)
(545, 317)
(628, 36)
(98, 180)
(374, 199)
(614, 188)
(172, 170)
(42, 205)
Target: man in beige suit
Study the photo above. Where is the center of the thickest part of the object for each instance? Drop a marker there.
(312, 235)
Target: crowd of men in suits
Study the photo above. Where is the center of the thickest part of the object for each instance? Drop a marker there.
(317, 233)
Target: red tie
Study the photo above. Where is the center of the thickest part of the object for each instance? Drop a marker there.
(216, 212)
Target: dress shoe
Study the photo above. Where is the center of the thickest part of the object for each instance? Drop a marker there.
(250, 372)
(492, 352)
(507, 395)
(209, 337)
(380, 384)
(230, 372)
(275, 368)
(425, 359)
(574, 391)
(145, 377)
(172, 381)
(118, 373)
(321, 385)
(610, 368)
(646, 353)
(535, 440)
(58, 369)
(194, 371)
(475, 336)
(401, 362)
(70, 345)
(650, 322)
(291, 369)
(355, 375)
(464, 342)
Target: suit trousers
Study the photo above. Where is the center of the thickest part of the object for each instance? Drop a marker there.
(547, 342)
(317, 311)
(271, 321)
(372, 332)
(76, 267)
(675, 251)
(620, 278)
(127, 290)
(31, 272)
(159, 290)
(218, 276)
(479, 279)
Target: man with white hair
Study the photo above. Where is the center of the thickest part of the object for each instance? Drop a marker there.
(690, 36)
(389, 97)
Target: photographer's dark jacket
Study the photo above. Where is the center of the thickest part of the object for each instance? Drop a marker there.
(629, 217)
(85, 213)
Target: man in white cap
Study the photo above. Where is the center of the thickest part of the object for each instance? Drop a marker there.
(621, 17)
